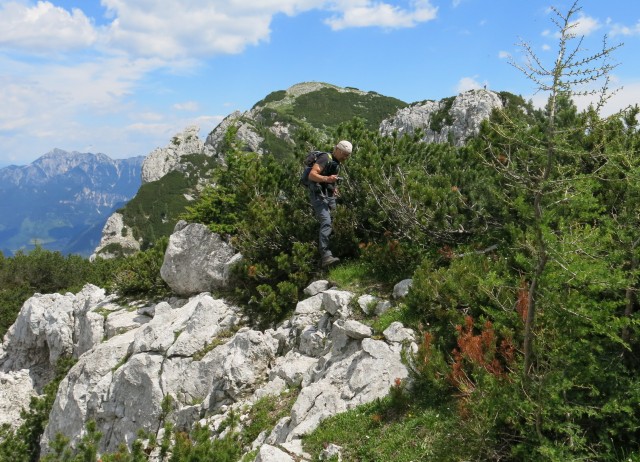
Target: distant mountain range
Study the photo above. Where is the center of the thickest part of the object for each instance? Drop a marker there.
(62, 200)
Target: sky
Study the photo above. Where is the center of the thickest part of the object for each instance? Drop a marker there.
(121, 77)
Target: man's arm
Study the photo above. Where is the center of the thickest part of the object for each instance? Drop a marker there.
(316, 176)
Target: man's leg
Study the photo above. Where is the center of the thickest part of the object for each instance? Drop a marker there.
(321, 208)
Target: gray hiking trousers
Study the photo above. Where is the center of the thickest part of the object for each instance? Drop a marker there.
(322, 205)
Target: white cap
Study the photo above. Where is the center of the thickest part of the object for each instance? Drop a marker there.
(344, 146)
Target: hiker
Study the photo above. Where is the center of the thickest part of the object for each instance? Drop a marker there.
(321, 178)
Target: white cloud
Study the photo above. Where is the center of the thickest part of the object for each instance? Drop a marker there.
(80, 96)
(46, 105)
(504, 54)
(546, 47)
(627, 94)
(583, 26)
(184, 29)
(150, 116)
(169, 29)
(44, 28)
(619, 29)
(366, 13)
(190, 106)
(469, 83)
(586, 25)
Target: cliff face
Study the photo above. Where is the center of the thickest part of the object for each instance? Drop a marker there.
(199, 352)
(452, 119)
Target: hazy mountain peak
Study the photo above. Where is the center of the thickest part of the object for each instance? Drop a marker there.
(62, 199)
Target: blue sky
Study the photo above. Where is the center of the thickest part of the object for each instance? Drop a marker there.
(121, 77)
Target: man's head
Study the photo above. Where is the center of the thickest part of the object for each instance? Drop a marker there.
(342, 151)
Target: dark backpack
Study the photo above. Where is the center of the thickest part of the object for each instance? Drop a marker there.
(310, 161)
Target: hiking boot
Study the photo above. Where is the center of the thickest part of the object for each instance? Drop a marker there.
(329, 260)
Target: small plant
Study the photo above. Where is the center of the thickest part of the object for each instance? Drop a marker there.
(166, 407)
(222, 337)
(266, 412)
(122, 362)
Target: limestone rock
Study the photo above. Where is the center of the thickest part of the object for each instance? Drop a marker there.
(357, 330)
(337, 302)
(196, 260)
(295, 447)
(382, 307)
(312, 341)
(397, 333)
(292, 367)
(269, 453)
(246, 134)
(401, 289)
(45, 330)
(121, 383)
(17, 389)
(345, 382)
(237, 367)
(88, 385)
(164, 160)
(366, 301)
(332, 452)
(447, 120)
(184, 331)
(123, 321)
(308, 311)
(316, 287)
(115, 232)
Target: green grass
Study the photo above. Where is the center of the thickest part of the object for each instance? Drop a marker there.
(355, 276)
(266, 413)
(397, 313)
(384, 431)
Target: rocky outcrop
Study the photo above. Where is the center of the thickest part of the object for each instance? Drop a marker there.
(50, 327)
(164, 160)
(122, 382)
(246, 133)
(197, 260)
(448, 120)
(117, 238)
(199, 354)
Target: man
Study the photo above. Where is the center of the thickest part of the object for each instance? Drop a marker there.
(322, 183)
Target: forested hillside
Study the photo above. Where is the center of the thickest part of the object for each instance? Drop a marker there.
(522, 247)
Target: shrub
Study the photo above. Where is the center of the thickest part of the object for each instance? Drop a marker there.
(139, 274)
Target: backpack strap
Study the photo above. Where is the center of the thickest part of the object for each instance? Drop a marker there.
(310, 161)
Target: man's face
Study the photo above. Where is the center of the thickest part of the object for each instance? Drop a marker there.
(340, 155)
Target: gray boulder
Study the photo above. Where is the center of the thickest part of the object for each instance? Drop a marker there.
(345, 382)
(366, 302)
(269, 453)
(401, 289)
(196, 260)
(316, 287)
(397, 333)
(336, 302)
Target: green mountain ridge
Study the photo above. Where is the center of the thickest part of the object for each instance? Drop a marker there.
(284, 123)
